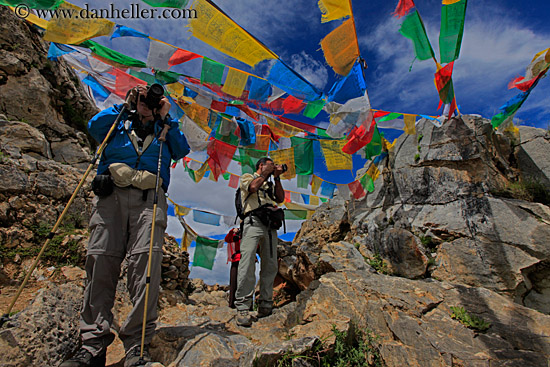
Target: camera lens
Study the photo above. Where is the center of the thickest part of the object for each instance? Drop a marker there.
(154, 94)
(284, 167)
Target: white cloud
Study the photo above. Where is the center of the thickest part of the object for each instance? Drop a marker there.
(314, 71)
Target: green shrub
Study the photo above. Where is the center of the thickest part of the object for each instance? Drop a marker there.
(351, 348)
(378, 264)
(469, 320)
(528, 190)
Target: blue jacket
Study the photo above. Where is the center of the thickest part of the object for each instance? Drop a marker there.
(121, 150)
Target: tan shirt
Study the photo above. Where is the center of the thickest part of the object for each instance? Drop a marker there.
(252, 202)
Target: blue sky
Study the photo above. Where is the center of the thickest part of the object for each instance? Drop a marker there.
(500, 39)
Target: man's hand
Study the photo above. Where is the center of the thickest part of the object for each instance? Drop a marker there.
(268, 169)
(278, 170)
(164, 108)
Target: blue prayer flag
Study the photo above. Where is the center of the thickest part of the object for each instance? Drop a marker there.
(291, 82)
(96, 86)
(206, 218)
(123, 31)
(57, 49)
(260, 89)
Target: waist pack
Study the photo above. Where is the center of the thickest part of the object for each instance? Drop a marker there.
(270, 216)
(103, 185)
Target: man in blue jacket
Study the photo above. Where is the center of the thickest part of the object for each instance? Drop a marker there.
(120, 225)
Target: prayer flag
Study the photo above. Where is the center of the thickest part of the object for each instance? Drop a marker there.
(449, 2)
(293, 105)
(360, 136)
(259, 89)
(403, 7)
(234, 181)
(212, 71)
(291, 82)
(200, 216)
(281, 129)
(285, 156)
(351, 86)
(313, 108)
(374, 147)
(315, 184)
(303, 155)
(334, 9)
(205, 252)
(124, 82)
(181, 56)
(295, 214)
(123, 31)
(196, 137)
(444, 83)
(159, 54)
(303, 183)
(452, 29)
(340, 47)
(327, 189)
(167, 3)
(335, 158)
(95, 86)
(34, 4)
(410, 121)
(235, 82)
(112, 57)
(356, 189)
(221, 155)
(215, 28)
(413, 28)
(74, 30)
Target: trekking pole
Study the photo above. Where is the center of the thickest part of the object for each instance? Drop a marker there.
(51, 235)
(162, 138)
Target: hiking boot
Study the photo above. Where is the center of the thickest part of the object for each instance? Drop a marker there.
(264, 312)
(134, 360)
(244, 318)
(83, 358)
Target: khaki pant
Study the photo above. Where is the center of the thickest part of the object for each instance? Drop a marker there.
(254, 233)
(120, 227)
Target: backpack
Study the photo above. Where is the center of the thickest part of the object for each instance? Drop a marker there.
(239, 204)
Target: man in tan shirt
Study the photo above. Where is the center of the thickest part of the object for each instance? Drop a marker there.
(257, 191)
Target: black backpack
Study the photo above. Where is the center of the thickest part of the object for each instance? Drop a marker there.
(239, 204)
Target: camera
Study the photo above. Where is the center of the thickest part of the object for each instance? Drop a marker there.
(154, 94)
(284, 167)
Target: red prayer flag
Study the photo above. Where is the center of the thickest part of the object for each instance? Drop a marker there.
(220, 154)
(219, 106)
(378, 114)
(292, 104)
(522, 84)
(299, 125)
(287, 196)
(359, 137)
(181, 56)
(234, 181)
(357, 189)
(124, 82)
(248, 111)
(403, 8)
(444, 83)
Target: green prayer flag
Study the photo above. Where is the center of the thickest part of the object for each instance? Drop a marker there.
(413, 28)
(452, 29)
(374, 148)
(390, 116)
(248, 158)
(295, 214)
(205, 252)
(149, 78)
(226, 175)
(303, 155)
(323, 133)
(112, 55)
(167, 77)
(313, 108)
(167, 3)
(34, 4)
(323, 200)
(303, 181)
(191, 173)
(212, 71)
(367, 183)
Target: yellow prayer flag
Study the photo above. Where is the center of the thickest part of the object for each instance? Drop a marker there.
(373, 172)
(262, 142)
(314, 200)
(386, 145)
(181, 210)
(198, 114)
(75, 29)
(30, 17)
(315, 184)
(334, 9)
(410, 120)
(334, 156)
(340, 47)
(235, 82)
(216, 29)
(175, 89)
(199, 174)
(285, 156)
(449, 2)
(282, 129)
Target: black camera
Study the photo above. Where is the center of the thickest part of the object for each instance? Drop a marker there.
(284, 167)
(154, 94)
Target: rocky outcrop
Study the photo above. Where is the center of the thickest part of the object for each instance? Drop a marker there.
(532, 154)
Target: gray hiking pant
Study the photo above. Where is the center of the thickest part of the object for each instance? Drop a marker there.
(254, 233)
(120, 226)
